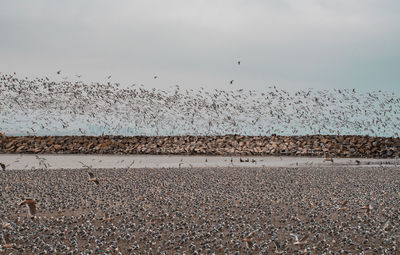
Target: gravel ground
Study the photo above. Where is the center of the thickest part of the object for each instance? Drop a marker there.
(203, 211)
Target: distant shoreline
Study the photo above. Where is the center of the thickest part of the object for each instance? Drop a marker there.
(109, 161)
(346, 146)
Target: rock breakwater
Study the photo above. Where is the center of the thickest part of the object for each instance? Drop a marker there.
(234, 145)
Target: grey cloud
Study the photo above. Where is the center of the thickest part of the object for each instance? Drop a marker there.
(293, 44)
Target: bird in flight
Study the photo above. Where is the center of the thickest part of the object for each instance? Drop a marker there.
(343, 206)
(231, 82)
(278, 248)
(93, 179)
(109, 77)
(4, 224)
(238, 62)
(299, 242)
(107, 217)
(7, 244)
(30, 205)
(155, 76)
(386, 225)
(59, 72)
(367, 208)
(248, 240)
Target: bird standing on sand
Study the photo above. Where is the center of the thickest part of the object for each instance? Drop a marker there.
(3, 166)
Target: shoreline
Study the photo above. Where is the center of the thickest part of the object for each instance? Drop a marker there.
(84, 161)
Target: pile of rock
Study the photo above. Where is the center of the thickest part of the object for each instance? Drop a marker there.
(315, 145)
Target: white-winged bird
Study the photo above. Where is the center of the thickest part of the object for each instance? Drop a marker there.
(93, 179)
(30, 205)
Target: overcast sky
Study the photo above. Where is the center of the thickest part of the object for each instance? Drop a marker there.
(293, 44)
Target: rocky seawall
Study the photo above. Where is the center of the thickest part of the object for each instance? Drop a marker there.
(235, 145)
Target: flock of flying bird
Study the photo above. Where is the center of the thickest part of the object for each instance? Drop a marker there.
(41, 106)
